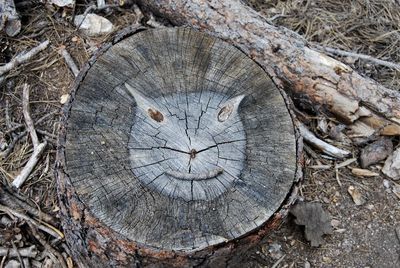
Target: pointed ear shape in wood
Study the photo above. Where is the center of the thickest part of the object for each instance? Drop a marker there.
(230, 108)
(146, 105)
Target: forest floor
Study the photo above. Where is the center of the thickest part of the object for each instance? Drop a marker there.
(365, 234)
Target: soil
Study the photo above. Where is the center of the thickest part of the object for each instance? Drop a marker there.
(364, 235)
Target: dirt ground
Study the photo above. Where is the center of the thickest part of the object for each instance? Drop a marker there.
(364, 235)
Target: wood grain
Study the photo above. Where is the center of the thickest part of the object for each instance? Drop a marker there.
(178, 141)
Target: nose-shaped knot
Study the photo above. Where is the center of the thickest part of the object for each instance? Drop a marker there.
(193, 153)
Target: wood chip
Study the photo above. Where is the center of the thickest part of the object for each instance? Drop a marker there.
(345, 163)
(356, 195)
(363, 172)
(396, 189)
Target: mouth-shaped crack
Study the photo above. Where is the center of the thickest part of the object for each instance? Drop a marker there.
(195, 176)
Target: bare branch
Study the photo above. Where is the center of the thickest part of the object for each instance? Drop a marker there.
(38, 148)
(23, 57)
(45, 227)
(70, 62)
(320, 144)
(27, 116)
(376, 61)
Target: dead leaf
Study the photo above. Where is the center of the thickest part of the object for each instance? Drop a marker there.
(363, 172)
(356, 195)
(316, 220)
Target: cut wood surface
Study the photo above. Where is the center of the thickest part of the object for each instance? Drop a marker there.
(174, 146)
(314, 79)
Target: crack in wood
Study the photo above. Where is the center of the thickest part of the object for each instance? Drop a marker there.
(184, 175)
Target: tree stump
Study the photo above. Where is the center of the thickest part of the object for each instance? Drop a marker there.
(176, 149)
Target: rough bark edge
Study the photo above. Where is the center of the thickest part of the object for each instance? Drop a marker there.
(94, 244)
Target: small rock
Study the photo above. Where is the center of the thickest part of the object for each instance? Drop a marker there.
(323, 125)
(363, 172)
(386, 184)
(275, 251)
(370, 207)
(376, 152)
(62, 3)
(64, 98)
(356, 195)
(307, 264)
(93, 25)
(392, 165)
(335, 223)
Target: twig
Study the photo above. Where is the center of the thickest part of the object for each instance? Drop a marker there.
(320, 144)
(52, 252)
(45, 228)
(11, 146)
(340, 52)
(23, 57)
(18, 255)
(45, 133)
(101, 3)
(70, 62)
(38, 148)
(7, 111)
(26, 263)
(27, 116)
(14, 202)
(278, 262)
(29, 252)
(3, 261)
(40, 120)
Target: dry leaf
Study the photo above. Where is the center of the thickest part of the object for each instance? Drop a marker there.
(64, 98)
(316, 220)
(356, 195)
(363, 172)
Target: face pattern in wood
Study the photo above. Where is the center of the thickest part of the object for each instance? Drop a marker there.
(179, 141)
(190, 146)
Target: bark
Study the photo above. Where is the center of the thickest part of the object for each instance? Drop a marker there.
(310, 77)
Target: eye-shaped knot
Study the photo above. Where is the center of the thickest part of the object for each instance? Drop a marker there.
(155, 115)
(225, 112)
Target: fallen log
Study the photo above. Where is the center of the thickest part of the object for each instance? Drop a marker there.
(316, 80)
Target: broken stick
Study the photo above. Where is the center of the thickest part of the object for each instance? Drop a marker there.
(23, 57)
(320, 144)
(38, 148)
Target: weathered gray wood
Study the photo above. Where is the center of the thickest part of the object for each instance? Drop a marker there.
(177, 142)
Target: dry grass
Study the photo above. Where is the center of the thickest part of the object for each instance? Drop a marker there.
(368, 27)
